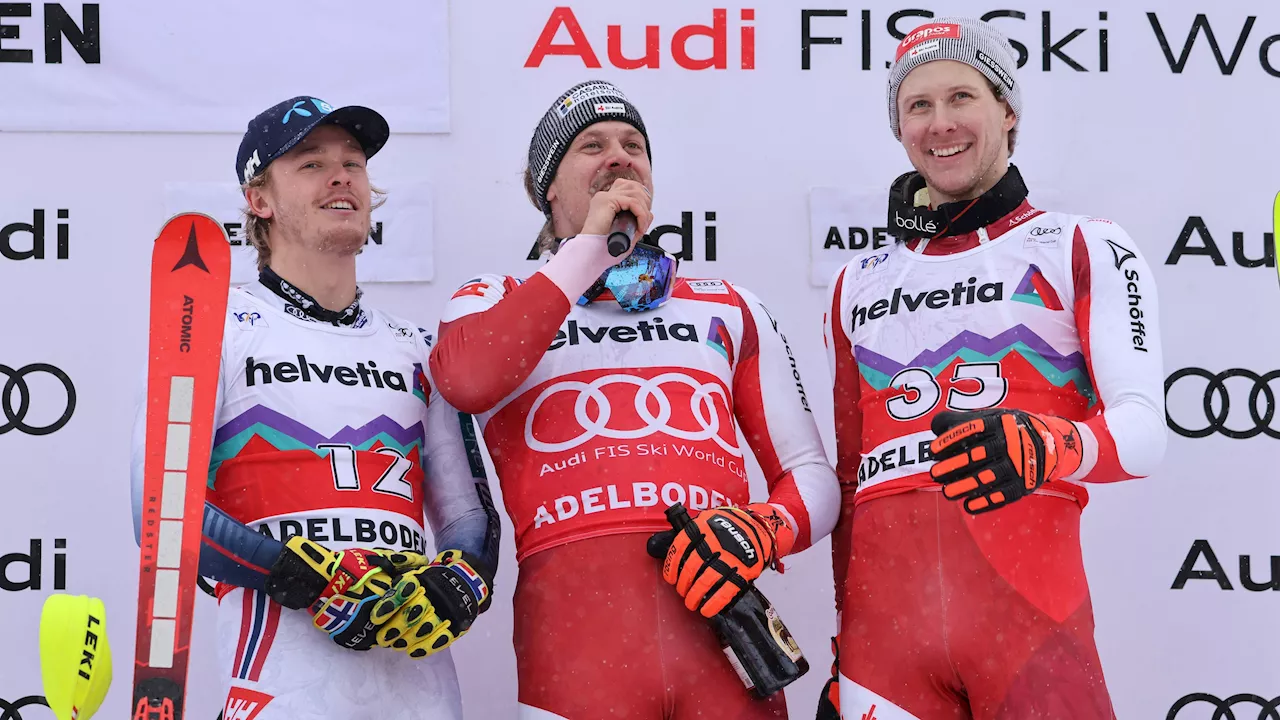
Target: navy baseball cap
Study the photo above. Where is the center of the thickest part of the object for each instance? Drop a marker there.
(276, 130)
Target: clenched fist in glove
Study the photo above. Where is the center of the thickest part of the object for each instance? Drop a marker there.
(714, 557)
(988, 459)
(338, 587)
(431, 607)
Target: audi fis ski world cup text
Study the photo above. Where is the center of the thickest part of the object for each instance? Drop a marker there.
(677, 414)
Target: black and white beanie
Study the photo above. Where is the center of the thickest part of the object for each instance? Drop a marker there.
(578, 107)
(973, 42)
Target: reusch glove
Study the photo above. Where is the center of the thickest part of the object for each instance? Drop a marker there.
(431, 607)
(990, 458)
(717, 555)
(338, 587)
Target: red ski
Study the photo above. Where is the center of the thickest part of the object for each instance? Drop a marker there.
(190, 279)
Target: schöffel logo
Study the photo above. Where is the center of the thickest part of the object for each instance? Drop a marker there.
(644, 331)
(364, 373)
(958, 294)
(1137, 328)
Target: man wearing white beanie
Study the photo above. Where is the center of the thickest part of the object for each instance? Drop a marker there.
(988, 367)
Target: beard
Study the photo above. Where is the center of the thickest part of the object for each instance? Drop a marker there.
(321, 234)
(345, 238)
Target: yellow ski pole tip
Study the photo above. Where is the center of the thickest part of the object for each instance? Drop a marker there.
(75, 659)
(1275, 227)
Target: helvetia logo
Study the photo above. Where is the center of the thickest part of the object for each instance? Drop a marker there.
(644, 331)
(959, 294)
(364, 373)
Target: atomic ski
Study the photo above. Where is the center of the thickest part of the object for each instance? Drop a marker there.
(190, 279)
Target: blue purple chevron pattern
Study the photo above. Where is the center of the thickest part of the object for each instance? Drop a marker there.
(285, 433)
(1060, 370)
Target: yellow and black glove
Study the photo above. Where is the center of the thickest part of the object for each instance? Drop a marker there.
(431, 607)
(713, 558)
(338, 587)
(990, 458)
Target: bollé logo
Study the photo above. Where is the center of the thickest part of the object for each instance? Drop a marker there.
(915, 223)
(1201, 549)
(578, 45)
(1195, 240)
(27, 240)
(11, 575)
(83, 38)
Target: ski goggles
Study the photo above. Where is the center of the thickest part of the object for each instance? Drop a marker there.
(642, 281)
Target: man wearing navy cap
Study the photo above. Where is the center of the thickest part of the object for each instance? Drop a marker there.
(330, 443)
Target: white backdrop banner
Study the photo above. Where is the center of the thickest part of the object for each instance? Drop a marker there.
(148, 66)
(772, 160)
(400, 247)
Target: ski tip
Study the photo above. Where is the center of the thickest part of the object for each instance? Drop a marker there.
(192, 216)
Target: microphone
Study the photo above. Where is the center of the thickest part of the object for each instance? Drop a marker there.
(620, 235)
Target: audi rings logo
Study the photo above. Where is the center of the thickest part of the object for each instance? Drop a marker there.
(592, 398)
(1253, 395)
(9, 710)
(1236, 707)
(16, 400)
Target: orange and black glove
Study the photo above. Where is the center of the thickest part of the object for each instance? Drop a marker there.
(713, 559)
(990, 458)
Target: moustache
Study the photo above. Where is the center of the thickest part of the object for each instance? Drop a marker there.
(606, 179)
